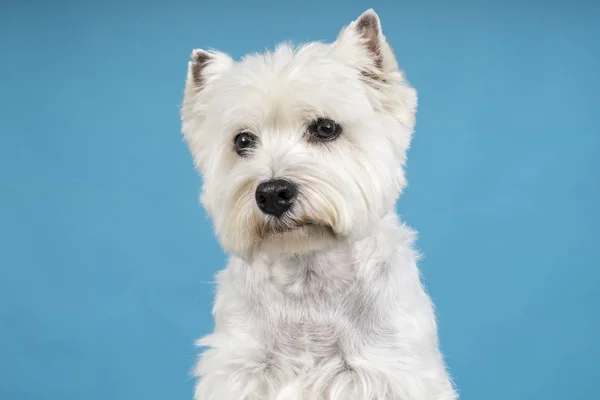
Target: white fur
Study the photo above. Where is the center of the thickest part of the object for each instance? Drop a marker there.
(331, 307)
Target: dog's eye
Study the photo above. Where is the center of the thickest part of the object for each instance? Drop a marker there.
(324, 129)
(243, 142)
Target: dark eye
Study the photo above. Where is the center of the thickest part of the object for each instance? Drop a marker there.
(243, 142)
(324, 129)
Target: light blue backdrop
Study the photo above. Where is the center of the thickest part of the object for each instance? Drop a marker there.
(106, 257)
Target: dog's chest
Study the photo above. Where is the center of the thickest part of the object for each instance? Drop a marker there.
(317, 312)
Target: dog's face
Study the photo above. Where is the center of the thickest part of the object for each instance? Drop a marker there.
(299, 148)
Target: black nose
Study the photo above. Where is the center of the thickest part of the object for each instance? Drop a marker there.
(275, 197)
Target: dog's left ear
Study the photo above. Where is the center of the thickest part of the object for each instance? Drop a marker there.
(363, 44)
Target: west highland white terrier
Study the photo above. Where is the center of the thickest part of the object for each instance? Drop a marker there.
(301, 151)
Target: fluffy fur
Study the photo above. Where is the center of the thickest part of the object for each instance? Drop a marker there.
(325, 302)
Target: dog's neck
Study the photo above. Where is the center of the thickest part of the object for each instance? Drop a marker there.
(329, 268)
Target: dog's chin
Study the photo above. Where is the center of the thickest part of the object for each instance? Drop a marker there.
(277, 239)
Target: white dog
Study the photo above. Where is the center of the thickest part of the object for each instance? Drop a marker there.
(301, 151)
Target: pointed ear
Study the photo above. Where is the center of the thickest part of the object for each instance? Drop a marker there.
(367, 48)
(204, 67)
(368, 28)
(363, 46)
(200, 59)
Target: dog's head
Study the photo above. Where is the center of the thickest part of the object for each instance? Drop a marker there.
(300, 148)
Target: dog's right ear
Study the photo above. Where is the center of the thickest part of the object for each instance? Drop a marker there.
(204, 67)
(200, 59)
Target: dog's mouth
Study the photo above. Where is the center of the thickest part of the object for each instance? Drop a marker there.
(283, 226)
(289, 235)
(294, 225)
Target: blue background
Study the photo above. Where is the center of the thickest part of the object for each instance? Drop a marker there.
(106, 256)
